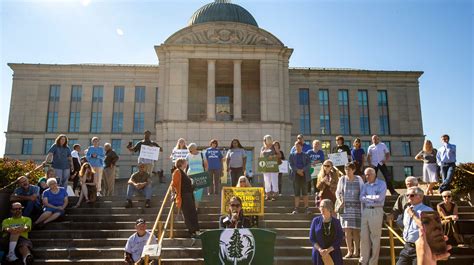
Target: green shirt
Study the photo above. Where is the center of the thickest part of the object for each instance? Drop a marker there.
(16, 222)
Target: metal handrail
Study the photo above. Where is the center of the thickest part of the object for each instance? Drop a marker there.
(392, 244)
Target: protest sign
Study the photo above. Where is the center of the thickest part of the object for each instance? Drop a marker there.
(339, 159)
(314, 170)
(283, 167)
(153, 251)
(179, 153)
(267, 165)
(149, 152)
(252, 199)
(201, 180)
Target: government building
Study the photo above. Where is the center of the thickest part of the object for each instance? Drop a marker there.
(222, 77)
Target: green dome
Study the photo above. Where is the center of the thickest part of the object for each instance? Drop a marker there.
(222, 10)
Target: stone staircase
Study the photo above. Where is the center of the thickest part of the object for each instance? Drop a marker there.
(96, 234)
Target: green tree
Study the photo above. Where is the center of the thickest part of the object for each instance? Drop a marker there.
(235, 246)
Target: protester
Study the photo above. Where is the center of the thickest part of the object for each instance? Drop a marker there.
(55, 201)
(348, 192)
(235, 217)
(402, 202)
(28, 196)
(197, 164)
(328, 177)
(282, 157)
(136, 243)
(326, 236)
(15, 231)
(76, 162)
(270, 179)
(306, 147)
(448, 211)
(243, 182)
(299, 164)
(179, 151)
(61, 160)
(149, 164)
(184, 197)
(110, 162)
(377, 157)
(317, 157)
(88, 185)
(358, 156)
(214, 159)
(236, 160)
(372, 198)
(50, 173)
(411, 225)
(340, 148)
(446, 159)
(139, 182)
(95, 156)
(430, 168)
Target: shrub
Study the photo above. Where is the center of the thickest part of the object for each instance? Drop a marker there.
(11, 169)
(463, 180)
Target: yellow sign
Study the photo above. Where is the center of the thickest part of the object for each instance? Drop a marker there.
(252, 199)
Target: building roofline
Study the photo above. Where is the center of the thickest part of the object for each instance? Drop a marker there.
(322, 69)
(12, 65)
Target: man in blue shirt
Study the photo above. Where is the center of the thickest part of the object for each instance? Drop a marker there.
(29, 197)
(300, 139)
(214, 159)
(410, 222)
(372, 197)
(446, 159)
(299, 164)
(317, 157)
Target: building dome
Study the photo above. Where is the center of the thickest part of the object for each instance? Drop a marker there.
(222, 10)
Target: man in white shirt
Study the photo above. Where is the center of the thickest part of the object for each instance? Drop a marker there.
(377, 157)
(136, 242)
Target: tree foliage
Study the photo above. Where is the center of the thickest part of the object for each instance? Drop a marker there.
(11, 169)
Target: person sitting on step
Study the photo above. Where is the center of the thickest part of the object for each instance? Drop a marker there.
(88, 184)
(15, 231)
(139, 181)
(136, 243)
(55, 200)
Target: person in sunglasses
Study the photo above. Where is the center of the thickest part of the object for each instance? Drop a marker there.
(448, 210)
(15, 231)
(235, 217)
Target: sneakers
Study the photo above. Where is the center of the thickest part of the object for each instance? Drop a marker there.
(129, 204)
(147, 204)
(28, 259)
(11, 257)
(295, 211)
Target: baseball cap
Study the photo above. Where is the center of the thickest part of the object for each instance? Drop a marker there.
(140, 221)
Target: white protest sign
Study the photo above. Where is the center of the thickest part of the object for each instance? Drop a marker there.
(149, 152)
(153, 251)
(283, 167)
(339, 159)
(179, 153)
(315, 170)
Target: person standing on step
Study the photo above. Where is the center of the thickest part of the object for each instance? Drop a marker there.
(15, 231)
(280, 175)
(149, 164)
(76, 161)
(61, 160)
(306, 147)
(377, 157)
(179, 151)
(299, 164)
(236, 161)
(341, 147)
(197, 164)
(95, 156)
(446, 159)
(317, 157)
(358, 156)
(136, 243)
(430, 168)
(328, 177)
(139, 181)
(214, 159)
(110, 161)
(372, 198)
(235, 217)
(270, 179)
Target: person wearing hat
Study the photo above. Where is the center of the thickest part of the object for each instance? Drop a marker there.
(137, 241)
(148, 142)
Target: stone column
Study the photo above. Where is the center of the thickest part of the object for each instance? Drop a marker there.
(237, 90)
(211, 90)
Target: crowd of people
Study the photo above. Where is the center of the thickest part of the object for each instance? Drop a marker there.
(350, 197)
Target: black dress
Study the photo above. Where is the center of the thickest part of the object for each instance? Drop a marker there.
(187, 204)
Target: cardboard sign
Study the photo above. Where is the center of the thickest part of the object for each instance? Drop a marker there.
(339, 159)
(153, 251)
(179, 153)
(149, 152)
(252, 199)
(283, 167)
(201, 180)
(267, 165)
(314, 170)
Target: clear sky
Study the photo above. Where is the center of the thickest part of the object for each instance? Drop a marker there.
(430, 35)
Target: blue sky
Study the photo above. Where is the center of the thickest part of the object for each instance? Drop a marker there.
(432, 36)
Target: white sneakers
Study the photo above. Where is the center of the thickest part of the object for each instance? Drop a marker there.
(11, 257)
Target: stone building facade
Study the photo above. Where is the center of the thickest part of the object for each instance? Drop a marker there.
(220, 77)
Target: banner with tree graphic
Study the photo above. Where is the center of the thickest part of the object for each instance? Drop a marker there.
(238, 246)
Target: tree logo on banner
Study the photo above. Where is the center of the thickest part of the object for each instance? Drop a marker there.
(262, 163)
(237, 247)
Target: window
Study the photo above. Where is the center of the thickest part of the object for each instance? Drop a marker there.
(72, 142)
(223, 108)
(365, 145)
(117, 122)
(305, 127)
(406, 148)
(389, 146)
(117, 146)
(74, 121)
(96, 115)
(47, 144)
(326, 147)
(383, 112)
(117, 115)
(348, 143)
(53, 107)
(27, 146)
(139, 114)
(343, 101)
(363, 102)
(324, 122)
(408, 171)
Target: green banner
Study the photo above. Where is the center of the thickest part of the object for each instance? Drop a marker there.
(201, 180)
(267, 165)
(238, 246)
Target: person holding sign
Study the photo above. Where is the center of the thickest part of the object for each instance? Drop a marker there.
(340, 148)
(236, 160)
(317, 157)
(235, 218)
(179, 151)
(197, 163)
(270, 178)
(328, 178)
(149, 163)
(214, 159)
(299, 173)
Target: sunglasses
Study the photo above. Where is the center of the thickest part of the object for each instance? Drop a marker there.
(242, 181)
(327, 165)
(447, 196)
(16, 209)
(411, 195)
(234, 205)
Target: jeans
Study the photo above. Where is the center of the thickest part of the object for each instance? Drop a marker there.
(31, 207)
(447, 172)
(63, 176)
(387, 176)
(146, 190)
(407, 256)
